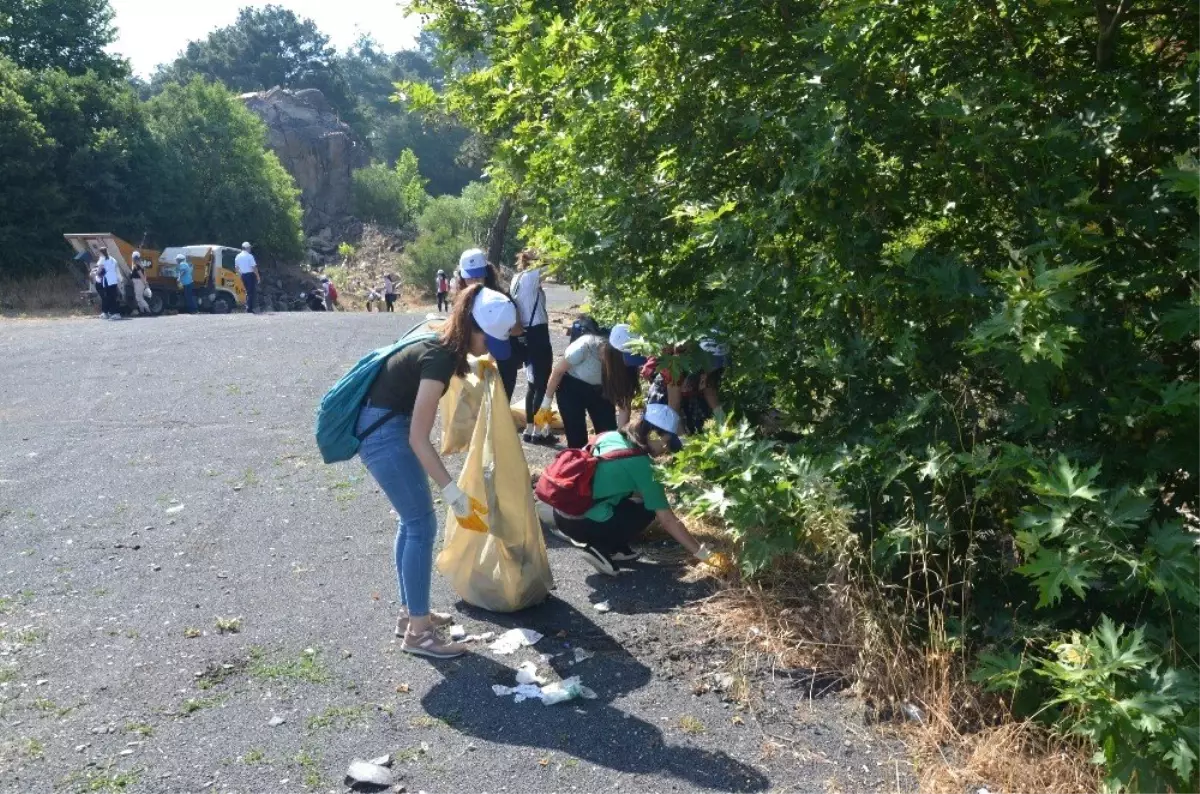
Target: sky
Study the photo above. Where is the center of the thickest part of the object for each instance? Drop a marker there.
(150, 32)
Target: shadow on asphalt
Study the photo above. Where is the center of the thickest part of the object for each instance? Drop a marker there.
(592, 730)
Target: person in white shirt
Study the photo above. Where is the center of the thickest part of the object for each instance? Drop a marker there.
(389, 292)
(527, 293)
(110, 278)
(247, 268)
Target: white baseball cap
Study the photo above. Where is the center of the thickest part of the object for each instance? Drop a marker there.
(495, 315)
(473, 263)
(180, 257)
(136, 255)
(663, 417)
(620, 337)
(245, 246)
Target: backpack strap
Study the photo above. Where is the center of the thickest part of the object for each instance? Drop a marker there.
(376, 425)
(616, 454)
(403, 342)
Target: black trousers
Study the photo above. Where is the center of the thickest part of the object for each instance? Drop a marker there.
(443, 301)
(250, 282)
(390, 300)
(541, 358)
(629, 520)
(110, 299)
(508, 369)
(577, 401)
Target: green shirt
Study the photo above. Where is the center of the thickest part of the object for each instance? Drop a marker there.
(618, 479)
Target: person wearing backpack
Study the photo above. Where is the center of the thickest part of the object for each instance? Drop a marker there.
(443, 291)
(622, 497)
(530, 298)
(393, 428)
(594, 379)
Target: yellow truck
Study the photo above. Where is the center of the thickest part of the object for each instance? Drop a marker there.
(217, 286)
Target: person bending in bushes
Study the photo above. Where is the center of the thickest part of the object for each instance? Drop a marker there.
(627, 496)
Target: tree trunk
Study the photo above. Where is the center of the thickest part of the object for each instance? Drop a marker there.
(1109, 24)
(498, 232)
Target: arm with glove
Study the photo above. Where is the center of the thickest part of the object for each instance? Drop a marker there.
(545, 415)
(467, 510)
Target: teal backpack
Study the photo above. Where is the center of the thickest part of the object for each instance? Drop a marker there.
(337, 415)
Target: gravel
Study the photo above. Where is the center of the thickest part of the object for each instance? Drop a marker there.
(152, 424)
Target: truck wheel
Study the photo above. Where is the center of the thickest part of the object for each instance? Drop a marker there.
(157, 303)
(222, 304)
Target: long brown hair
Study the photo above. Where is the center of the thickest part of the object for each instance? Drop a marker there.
(456, 333)
(617, 385)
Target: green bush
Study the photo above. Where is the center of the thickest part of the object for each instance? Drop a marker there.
(448, 226)
(221, 183)
(390, 196)
(953, 247)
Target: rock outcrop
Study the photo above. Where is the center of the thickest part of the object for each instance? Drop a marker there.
(318, 150)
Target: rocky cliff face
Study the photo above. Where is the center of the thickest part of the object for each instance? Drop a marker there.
(319, 151)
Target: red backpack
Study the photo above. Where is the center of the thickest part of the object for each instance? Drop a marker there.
(332, 292)
(566, 484)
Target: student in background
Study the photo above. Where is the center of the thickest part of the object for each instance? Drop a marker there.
(110, 280)
(389, 292)
(594, 379)
(530, 297)
(137, 275)
(247, 268)
(183, 272)
(475, 269)
(442, 285)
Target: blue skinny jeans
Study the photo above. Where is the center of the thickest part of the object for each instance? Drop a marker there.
(388, 456)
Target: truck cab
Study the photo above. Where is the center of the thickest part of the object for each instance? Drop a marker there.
(217, 286)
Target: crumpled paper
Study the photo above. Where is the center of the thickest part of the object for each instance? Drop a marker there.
(513, 639)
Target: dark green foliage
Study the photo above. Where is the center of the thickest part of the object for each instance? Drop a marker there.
(60, 34)
(448, 226)
(91, 162)
(271, 46)
(954, 245)
(220, 182)
(390, 196)
(83, 154)
(263, 48)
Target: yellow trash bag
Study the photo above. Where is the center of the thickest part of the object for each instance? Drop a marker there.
(504, 568)
(518, 415)
(459, 408)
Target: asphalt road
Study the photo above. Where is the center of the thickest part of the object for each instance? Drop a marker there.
(159, 475)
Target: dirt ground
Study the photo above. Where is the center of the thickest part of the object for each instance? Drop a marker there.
(191, 601)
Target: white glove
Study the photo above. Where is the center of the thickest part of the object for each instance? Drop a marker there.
(547, 401)
(703, 553)
(459, 502)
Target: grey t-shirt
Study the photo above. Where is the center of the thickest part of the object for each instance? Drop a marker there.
(586, 358)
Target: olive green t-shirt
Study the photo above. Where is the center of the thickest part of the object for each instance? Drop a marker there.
(618, 479)
(395, 387)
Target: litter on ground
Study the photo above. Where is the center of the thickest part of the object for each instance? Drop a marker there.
(558, 692)
(603, 606)
(582, 655)
(527, 674)
(511, 640)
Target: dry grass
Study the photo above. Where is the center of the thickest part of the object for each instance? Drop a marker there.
(1013, 757)
(803, 616)
(53, 293)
